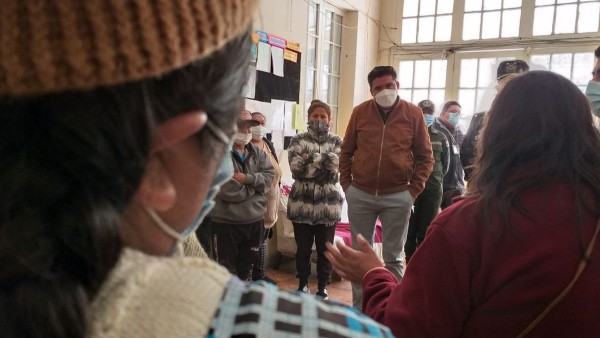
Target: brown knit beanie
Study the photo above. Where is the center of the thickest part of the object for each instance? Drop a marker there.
(57, 45)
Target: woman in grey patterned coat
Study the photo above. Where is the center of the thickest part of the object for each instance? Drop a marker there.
(315, 202)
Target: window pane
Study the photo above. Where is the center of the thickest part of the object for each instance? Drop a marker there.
(540, 62)
(566, 1)
(512, 3)
(468, 73)
(582, 63)
(311, 51)
(471, 24)
(409, 30)
(487, 72)
(337, 29)
(335, 60)
(466, 98)
(411, 8)
(334, 115)
(405, 74)
(420, 95)
(511, 20)
(310, 84)
(427, 7)
(544, 2)
(438, 73)
(422, 74)
(491, 25)
(334, 83)
(324, 87)
(445, 6)
(312, 19)
(589, 15)
(443, 28)
(326, 57)
(405, 94)
(561, 64)
(472, 5)
(437, 96)
(565, 19)
(542, 21)
(492, 4)
(484, 100)
(426, 29)
(328, 32)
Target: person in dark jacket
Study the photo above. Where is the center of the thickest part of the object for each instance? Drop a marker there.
(238, 215)
(507, 70)
(447, 123)
(427, 204)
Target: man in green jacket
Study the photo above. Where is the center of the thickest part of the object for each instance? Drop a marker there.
(427, 204)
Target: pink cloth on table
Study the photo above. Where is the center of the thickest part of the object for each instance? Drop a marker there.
(343, 231)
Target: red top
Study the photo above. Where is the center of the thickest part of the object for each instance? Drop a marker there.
(469, 279)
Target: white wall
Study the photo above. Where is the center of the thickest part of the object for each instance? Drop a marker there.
(288, 19)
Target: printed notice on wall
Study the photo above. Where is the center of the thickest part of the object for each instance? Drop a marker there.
(263, 60)
(277, 54)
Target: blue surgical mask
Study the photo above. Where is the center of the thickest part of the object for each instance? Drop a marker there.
(453, 118)
(429, 119)
(593, 94)
(223, 174)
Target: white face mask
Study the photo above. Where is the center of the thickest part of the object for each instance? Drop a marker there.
(258, 132)
(386, 98)
(241, 139)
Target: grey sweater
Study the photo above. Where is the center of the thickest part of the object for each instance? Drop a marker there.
(245, 203)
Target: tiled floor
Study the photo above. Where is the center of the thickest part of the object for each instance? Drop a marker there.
(285, 276)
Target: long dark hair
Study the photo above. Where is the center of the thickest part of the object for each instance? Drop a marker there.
(70, 163)
(538, 130)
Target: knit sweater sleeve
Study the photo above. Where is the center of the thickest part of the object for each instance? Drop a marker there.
(301, 167)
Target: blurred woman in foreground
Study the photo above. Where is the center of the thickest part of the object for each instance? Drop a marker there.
(492, 264)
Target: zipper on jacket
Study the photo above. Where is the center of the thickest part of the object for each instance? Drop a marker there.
(379, 165)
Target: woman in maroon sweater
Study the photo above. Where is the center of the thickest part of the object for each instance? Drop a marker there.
(491, 263)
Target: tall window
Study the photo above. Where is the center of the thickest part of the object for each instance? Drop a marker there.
(574, 66)
(422, 79)
(555, 35)
(565, 16)
(491, 19)
(324, 47)
(427, 21)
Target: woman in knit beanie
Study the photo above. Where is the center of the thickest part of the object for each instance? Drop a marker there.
(115, 118)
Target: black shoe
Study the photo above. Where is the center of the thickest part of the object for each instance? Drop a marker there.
(269, 280)
(322, 293)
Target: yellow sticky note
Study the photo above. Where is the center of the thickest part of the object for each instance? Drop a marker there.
(299, 121)
(290, 55)
(293, 46)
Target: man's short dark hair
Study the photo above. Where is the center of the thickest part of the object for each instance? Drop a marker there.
(450, 103)
(597, 52)
(380, 71)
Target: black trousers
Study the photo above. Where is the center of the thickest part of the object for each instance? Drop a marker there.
(238, 246)
(426, 207)
(305, 235)
(258, 268)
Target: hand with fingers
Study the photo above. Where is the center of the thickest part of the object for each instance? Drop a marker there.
(353, 264)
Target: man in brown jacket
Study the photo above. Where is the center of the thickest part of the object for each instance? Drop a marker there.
(385, 161)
